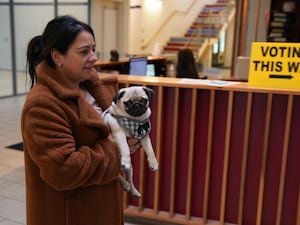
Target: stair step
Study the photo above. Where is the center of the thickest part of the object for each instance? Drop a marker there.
(213, 14)
(203, 32)
(218, 6)
(177, 47)
(175, 50)
(170, 49)
(210, 20)
(205, 26)
(195, 47)
(216, 10)
(225, 1)
(183, 44)
(201, 36)
(187, 39)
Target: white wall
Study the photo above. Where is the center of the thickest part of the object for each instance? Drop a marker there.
(109, 31)
(253, 32)
(97, 16)
(170, 18)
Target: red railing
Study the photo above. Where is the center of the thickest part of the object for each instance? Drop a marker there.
(228, 155)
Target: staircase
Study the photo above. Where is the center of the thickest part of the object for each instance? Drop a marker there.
(206, 28)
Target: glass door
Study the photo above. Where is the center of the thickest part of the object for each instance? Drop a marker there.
(20, 21)
(6, 77)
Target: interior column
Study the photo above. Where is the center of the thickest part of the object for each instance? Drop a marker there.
(135, 27)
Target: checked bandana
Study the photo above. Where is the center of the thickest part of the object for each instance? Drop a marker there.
(137, 129)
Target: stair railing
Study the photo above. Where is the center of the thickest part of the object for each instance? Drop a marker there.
(207, 41)
(167, 21)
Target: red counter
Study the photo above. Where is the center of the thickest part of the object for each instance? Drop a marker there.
(227, 154)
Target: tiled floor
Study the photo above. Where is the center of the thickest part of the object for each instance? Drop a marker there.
(12, 196)
(12, 189)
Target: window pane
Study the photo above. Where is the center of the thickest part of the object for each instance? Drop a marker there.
(34, 1)
(28, 25)
(73, 1)
(6, 75)
(80, 12)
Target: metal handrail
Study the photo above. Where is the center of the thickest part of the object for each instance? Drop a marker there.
(167, 21)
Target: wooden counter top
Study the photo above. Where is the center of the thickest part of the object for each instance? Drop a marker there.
(200, 84)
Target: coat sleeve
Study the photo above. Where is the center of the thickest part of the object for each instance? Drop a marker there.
(49, 140)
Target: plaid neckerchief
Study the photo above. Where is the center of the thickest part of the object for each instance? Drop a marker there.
(137, 129)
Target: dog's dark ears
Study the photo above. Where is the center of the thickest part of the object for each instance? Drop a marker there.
(149, 92)
(119, 95)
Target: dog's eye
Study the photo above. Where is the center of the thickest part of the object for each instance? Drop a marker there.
(128, 103)
(144, 100)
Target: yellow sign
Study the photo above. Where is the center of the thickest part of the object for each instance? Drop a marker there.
(275, 65)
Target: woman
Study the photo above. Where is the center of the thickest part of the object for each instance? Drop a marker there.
(186, 65)
(71, 163)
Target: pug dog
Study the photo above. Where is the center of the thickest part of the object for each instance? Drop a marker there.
(129, 116)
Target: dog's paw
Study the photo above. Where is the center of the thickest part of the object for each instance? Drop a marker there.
(154, 168)
(125, 163)
(135, 193)
(124, 184)
(153, 164)
(126, 167)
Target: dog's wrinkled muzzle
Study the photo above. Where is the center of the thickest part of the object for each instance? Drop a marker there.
(136, 108)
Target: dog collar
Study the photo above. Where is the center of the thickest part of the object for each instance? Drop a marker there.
(137, 129)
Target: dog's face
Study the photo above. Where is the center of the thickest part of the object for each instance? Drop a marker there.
(133, 101)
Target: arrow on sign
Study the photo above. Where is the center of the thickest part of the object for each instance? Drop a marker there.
(281, 76)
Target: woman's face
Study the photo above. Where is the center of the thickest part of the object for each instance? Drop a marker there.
(77, 64)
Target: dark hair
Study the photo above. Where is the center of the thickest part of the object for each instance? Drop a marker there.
(186, 65)
(59, 34)
(114, 55)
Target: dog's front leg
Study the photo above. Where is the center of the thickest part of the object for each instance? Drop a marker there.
(120, 138)
(147, 145)
(121, 141)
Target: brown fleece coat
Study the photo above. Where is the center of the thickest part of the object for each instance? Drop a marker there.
(71, 163)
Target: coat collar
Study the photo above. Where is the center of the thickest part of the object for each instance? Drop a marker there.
(47, 77)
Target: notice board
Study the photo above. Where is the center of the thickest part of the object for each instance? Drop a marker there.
(275, 65)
